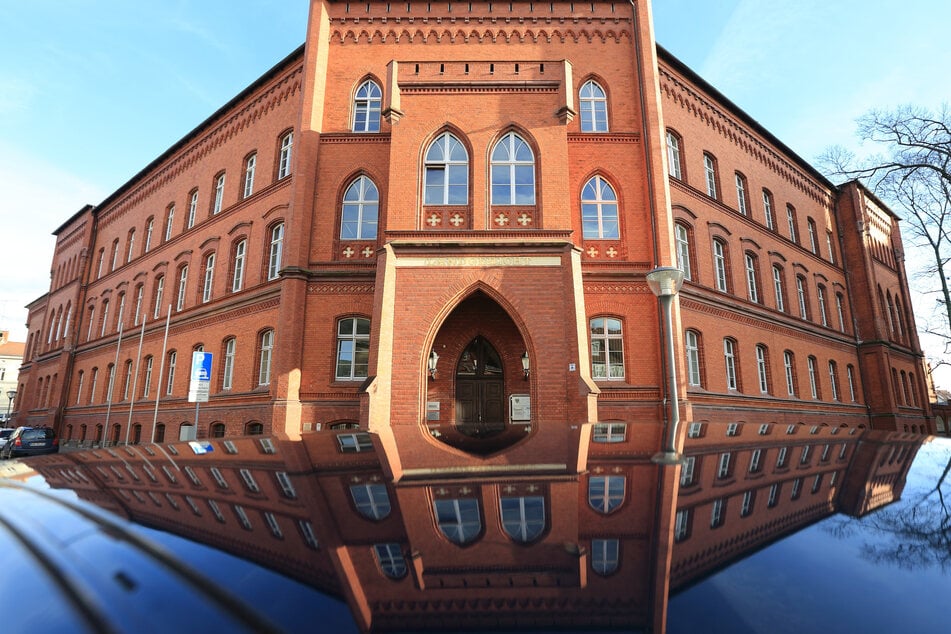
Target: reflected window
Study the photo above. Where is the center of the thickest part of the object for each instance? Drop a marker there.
(355, 443)
(458, 519)
(605, 493)
(372, 500)
(391, 560)
(523, 518)
(604, 555)
(610, 432)
(682, 525)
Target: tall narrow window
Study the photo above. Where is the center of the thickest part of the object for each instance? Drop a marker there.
(791, 221)
(829, 246)
(264, 361)
(182, 285)
(130, 252)
(371, 500)
(237, 276)
(752, 273)
(120, 314)
(170, 384)
(192, 209)
(813, 384)
(813, 238)
(360, 210)
(720, 265)
(594, 108)
(710, 174)
(849, 373)
(801, 294)
(147, 378)
(742, 204)
(768, 210)
(674, 165)
(249, 166)
(821, 300)
(762, 368)
(729, 357)
(169, 221)
(353, 348)
(834, 380)
(105, 318)
(115, 255)
(682, 238)
(159, 288)
(778, 288)
(284, 159)
(139, 293)
(366, 107)
(227, 367)
(127, 382)
(694, 376)
(92, 385)
(79, 386)
(607, 350)
(149, 226)
(102, 258)
(388, 556)
(789, 365)
(219, 193)
(839, 311)
(275, 251)
(599, 210)
(209, 278)
(446, 172)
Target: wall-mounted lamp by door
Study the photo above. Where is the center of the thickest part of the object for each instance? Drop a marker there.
(433, 360)
(525, 367)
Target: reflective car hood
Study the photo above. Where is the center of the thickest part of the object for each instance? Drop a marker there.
(263, 534)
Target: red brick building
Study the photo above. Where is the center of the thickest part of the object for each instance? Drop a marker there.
(433, 222)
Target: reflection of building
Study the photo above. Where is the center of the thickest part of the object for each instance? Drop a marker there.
(426, 553)
(434, 222)
(745, 486)
(495, 551)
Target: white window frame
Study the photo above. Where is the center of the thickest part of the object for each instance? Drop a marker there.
(719, 266)
(729, 358)
(752, 290)
(284, 161)
(264, 360)
(682, 239)
(219, 194)
(249, 167)
(692, 345)
(741, 194)
(192, 209)
(367, 107)
(227, 374)
(811, 370)
(275, 251)
(710, 175)
(761, 369)
(593, 103)
(237, 277)
(600, 219)
(209, 278)
(673, 156)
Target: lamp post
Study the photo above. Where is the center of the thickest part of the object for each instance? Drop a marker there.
(11, 394)
(665, 283)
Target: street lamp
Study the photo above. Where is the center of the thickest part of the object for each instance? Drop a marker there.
(665, 282)
(11, 394)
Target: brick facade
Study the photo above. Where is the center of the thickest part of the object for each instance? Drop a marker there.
(561, 214)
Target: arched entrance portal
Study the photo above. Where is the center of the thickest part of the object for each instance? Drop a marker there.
(480, 390)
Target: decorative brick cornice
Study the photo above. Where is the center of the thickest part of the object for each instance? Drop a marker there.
(720, 120)
(610, 137)
(243, 117)
(478, 30)
(618, 288)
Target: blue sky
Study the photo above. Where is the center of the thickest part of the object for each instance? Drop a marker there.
(93, 90)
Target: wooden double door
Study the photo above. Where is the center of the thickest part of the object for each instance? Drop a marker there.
(480, 389)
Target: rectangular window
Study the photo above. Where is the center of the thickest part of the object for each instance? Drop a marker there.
(159, 288)
(781, 458)
(264, 365)
(729, 357)
(169, 220)
(755, 460)
(719, 265)
(284, 163)
(695, 430)
(716, 513)
(773, 495)
(687, 471)
(791, 221)
(673, 155)
(276, 250)
(753, 292)
(723, 469)
(355, 443)
(682, 525)
(147, 381)
(811, 369)
(747, 506)
(790, 375)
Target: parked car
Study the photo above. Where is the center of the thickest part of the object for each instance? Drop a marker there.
(30, 441)
(5, 433)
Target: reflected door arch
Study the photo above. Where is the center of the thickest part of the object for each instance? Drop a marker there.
(480, 389)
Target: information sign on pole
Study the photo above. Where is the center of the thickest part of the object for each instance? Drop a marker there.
(200, 384)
